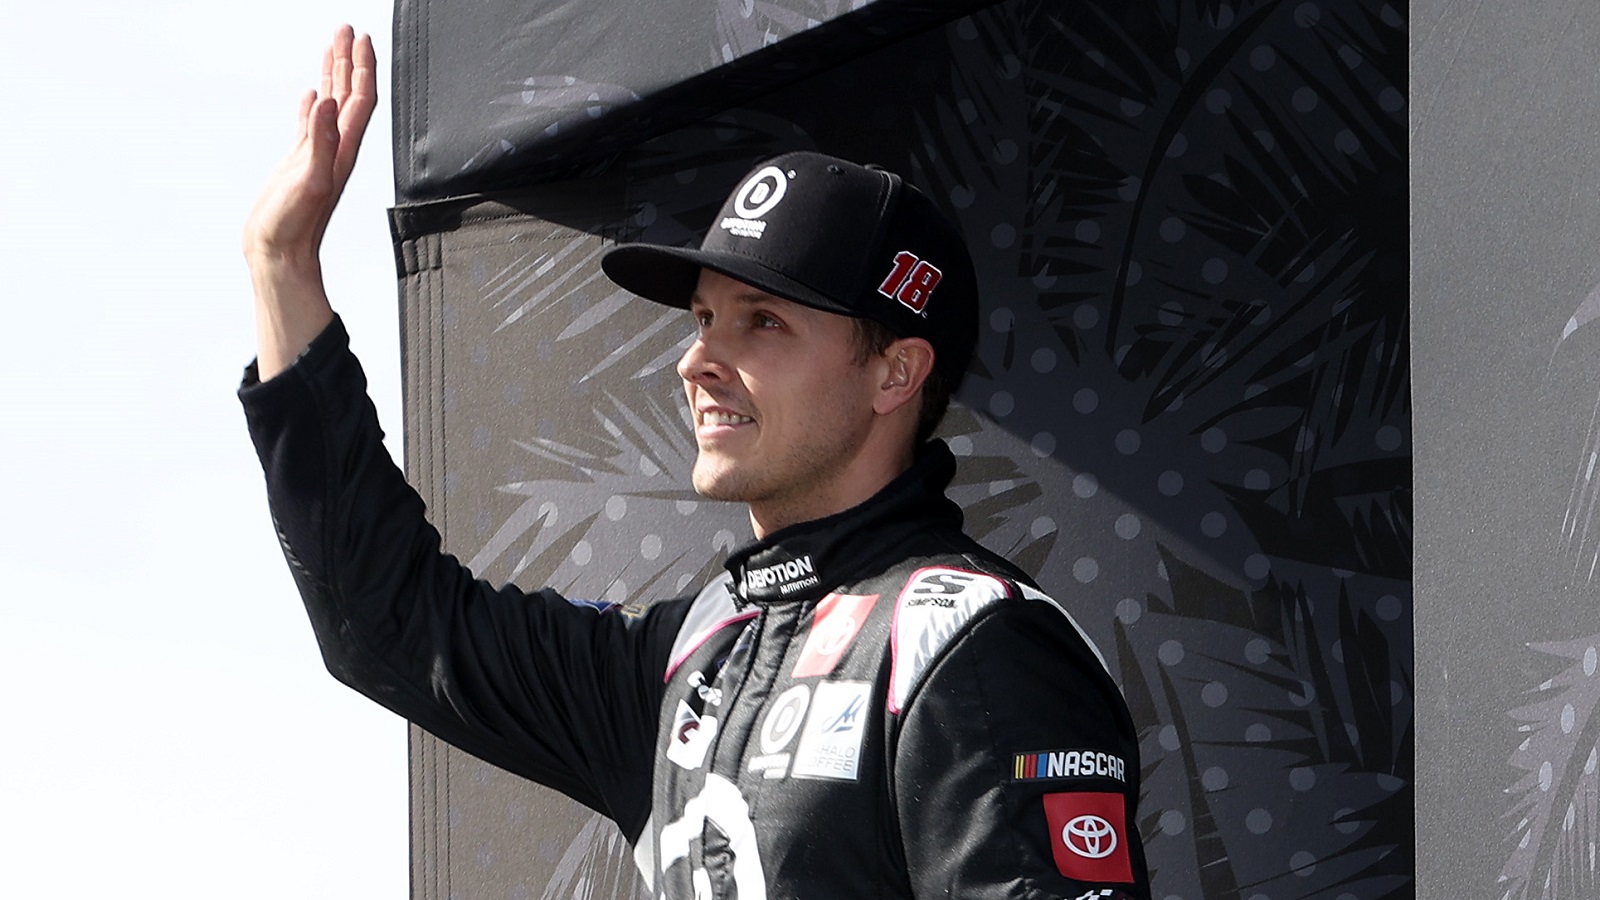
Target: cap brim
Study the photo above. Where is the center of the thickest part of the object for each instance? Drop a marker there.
(669, 275)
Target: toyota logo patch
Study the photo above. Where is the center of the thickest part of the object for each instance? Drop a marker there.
(1090, 836)
(1086, 829)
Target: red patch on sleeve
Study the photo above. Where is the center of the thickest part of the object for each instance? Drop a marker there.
(838, 618)
(1088, 836)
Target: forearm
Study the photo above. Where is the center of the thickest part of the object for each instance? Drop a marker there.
(291, 307)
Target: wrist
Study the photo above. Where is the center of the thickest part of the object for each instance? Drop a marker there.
(282, 264)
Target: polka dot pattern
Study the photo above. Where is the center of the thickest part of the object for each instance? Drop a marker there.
(1126, 403)
(1086, 570)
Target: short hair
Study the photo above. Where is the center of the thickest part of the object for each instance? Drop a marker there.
(872, 338)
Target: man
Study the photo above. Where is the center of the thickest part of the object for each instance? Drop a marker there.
(868, 703)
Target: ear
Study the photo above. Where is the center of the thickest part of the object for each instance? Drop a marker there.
(906, 364)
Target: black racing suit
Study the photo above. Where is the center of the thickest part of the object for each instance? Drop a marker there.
(866, 705)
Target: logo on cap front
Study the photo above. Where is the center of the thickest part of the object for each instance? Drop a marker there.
(755, 198)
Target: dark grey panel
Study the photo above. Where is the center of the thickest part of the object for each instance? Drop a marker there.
(1506, 238)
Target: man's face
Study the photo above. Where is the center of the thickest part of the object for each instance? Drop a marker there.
(781, 406)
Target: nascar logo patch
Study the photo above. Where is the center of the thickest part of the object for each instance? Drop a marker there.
(1068, 764)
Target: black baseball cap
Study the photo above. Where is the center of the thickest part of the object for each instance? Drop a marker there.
(833, 235)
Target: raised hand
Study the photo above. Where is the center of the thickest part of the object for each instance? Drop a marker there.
(283, 234)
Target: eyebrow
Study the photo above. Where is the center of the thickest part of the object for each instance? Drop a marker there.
(748, 296)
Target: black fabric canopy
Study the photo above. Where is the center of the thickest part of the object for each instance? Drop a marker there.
(492, 96)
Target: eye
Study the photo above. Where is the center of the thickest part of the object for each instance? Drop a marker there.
(702, 318)
(764, 320)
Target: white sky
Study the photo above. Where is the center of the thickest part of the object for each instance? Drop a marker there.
(169, 729)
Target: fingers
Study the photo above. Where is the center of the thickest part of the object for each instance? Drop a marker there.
(335, 81)
(325, 85)
(350, 80)
(357, 92)
(366, 66)
(356, 108)
(339, 77)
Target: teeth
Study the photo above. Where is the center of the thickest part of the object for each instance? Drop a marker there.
(711, 417)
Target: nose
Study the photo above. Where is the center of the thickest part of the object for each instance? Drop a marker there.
(700, 364)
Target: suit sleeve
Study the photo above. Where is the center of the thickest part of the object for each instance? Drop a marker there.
(561, 693)
(1016, 770)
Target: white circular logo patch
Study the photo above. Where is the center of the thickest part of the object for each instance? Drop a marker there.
(1090, 836)
(761, 193)
(784, 718)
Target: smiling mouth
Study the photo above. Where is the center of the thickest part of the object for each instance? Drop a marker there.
(712, 417)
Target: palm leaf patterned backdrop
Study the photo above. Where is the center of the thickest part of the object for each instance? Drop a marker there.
(1189, 413)
(1551, 819)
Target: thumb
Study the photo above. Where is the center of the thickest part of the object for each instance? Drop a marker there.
(323, 133)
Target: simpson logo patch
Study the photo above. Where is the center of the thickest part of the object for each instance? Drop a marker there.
(838, 619)
(931, 609)
(1068, 764)
(1088, 836)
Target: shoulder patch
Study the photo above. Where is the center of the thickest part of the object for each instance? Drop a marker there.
(712, 610)
(1089, 836)
(932, 607)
